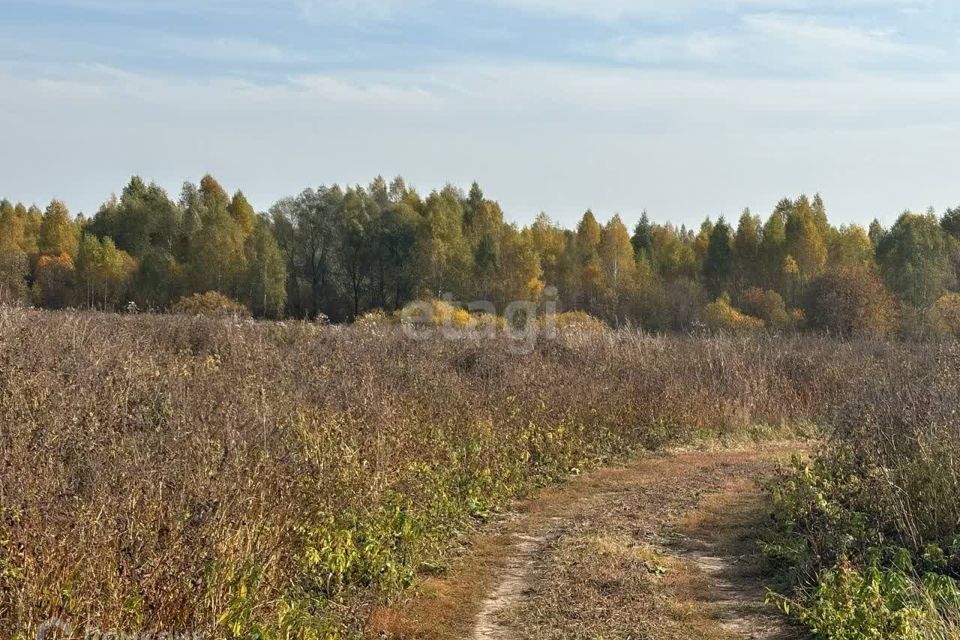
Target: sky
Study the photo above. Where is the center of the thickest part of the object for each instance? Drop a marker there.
(683, 108)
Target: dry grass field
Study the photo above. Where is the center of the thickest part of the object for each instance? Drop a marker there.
(281, 480)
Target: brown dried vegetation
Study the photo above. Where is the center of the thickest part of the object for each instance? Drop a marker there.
(279, 480)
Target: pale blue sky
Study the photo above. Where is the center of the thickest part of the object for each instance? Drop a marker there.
(685, 108)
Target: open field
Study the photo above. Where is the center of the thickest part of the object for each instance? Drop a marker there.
(282, 480)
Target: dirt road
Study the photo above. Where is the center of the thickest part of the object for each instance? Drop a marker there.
(664, 548)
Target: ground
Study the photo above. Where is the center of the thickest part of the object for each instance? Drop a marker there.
(665, 548)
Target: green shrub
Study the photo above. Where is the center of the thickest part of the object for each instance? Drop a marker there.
(356, 552)
(869, 532)
(874, 603)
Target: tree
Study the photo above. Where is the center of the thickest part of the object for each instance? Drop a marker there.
(12, 228)
(549, 242)
(242, 213)
(399, 192)
(790, 277)
(472, 207)
(914, 259)
(58, 232)
(673, 257)
(719, 263)
(851, 247)
(341, 252)
(619, 264)
(447, 249)
(570, 273)
(380, 205)
(773, 246)
(105, 271)
(355, 244)
(746, 246)
(88, 255)
(143, 220)
(876, 233)
(804, 241)
(642, 238)
(588, 237)
(14, 262)
(850, 301)
(820, 219)
(397, 237)
(951, 222)
(486, 259)
(267, 273)
(14, 269)
(587, 246)
(306, 231)
(483, 228)
(701, 243)
(148, 226)
(32, 221)
(616, 253)
(215, 246)
(519, 276)
(684, 300)
(55, 281)
(158, 281)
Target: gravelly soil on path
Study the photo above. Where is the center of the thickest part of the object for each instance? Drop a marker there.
(664, 548)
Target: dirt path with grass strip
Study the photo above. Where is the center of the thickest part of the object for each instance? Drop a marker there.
(662, 549)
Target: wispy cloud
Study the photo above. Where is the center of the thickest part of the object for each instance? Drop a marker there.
(305, 93)
(788, 42)
(812, 33)
(404, 92)
(334, 10)
(615, 104)
(681, 48)
(606, 10)
(133, 7)
(225, 48)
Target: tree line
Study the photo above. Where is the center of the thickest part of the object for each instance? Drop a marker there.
(342, 252)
